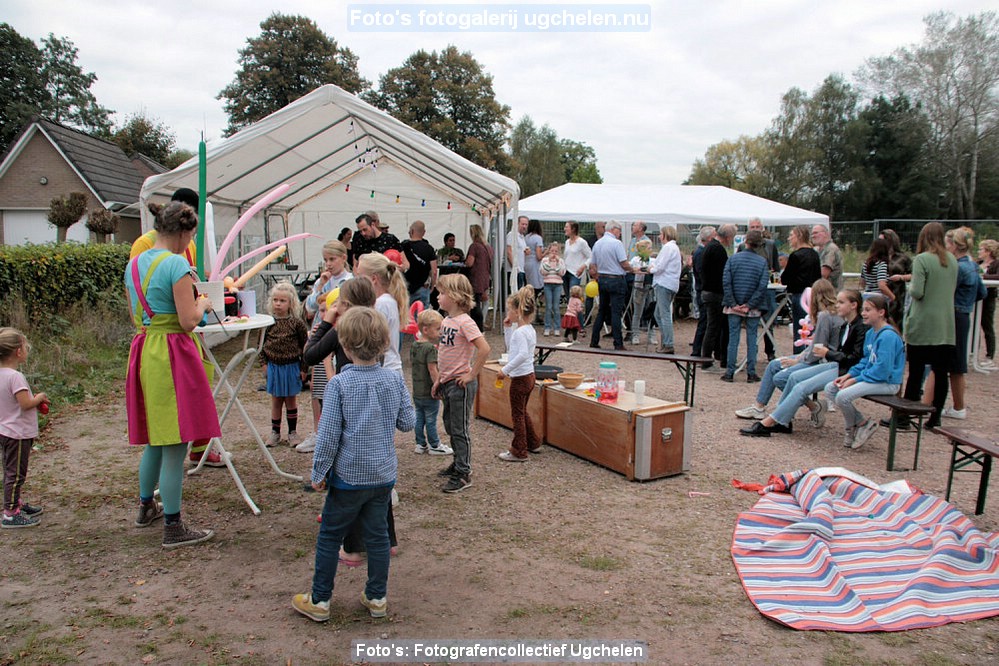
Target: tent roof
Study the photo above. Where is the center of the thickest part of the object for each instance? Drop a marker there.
(321, 141)
(662, 204)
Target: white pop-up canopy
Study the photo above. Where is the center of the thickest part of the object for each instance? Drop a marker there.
(344, 157)
(690, 205)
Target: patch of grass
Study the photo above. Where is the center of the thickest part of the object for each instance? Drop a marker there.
(79, 354)
(40, 648)
(936, 659)
(599, 562)
(101, 617)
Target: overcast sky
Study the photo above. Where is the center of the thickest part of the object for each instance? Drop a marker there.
(649, 102)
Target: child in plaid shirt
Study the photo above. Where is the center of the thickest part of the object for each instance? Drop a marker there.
(355, 459)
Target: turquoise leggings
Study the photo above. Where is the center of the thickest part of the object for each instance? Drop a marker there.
(163, 464)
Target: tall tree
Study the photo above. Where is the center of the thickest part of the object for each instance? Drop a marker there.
(70, 100)
(954, 75)
(536, 158)
(290, 57)
(735, 164)
(790, 151)
(539, 160)
(448, 97)
(838, 139)
(579, 162)
(22, 88)
(904, 183)
(145, 135)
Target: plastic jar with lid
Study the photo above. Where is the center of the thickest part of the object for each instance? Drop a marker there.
(607, 376)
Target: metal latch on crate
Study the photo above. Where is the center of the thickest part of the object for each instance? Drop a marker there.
(666, 434)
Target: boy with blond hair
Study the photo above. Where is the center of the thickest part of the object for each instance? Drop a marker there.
(423, 359)
(355, 460)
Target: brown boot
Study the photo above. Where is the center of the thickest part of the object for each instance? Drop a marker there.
(177, 535)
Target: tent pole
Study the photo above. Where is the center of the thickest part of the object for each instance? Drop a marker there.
(499, 257)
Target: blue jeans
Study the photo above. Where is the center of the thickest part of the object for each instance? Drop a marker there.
(800, 386)
(664, 315)
(734, 328)
(776, 377)
(613, 292)
(844, 399)
(552, 294)
(342, 507)
(569, 280)
(426, 419)
(422, 295)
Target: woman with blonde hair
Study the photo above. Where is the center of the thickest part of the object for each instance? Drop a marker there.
(970, 289)
(392, 299)
(665, 269)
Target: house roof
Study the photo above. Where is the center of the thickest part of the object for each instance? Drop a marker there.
(102, 165)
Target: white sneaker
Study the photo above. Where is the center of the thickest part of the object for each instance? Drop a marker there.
(307, 445)
(548, 332)
(420, 449)
(751, 412)
(636, 339)
(273, 439)
(988, 363)
(951, 413)
(819, 414)
(440, 450)
(864, 433)
(294, 439)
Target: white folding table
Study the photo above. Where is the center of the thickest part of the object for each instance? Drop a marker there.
(241, 364)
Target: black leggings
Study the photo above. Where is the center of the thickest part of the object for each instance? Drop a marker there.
(939, 358)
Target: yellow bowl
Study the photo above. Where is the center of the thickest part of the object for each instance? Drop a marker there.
(570, 380)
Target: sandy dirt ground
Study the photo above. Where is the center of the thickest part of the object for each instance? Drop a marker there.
(556, 548)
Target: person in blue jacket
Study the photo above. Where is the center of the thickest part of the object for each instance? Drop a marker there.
(878, 373)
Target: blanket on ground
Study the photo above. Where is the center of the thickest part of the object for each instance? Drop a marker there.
(844, 554)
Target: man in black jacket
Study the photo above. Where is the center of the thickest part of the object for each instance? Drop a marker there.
(712, 269)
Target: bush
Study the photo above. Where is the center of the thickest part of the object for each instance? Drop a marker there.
(48, 278)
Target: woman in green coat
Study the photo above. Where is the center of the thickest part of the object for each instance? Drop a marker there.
(929, 324)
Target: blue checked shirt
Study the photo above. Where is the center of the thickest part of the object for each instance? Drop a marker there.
(362, 407)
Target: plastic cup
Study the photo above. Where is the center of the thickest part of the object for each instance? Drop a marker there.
(639, 391)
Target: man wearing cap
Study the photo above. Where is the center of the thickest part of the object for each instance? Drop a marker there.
(609, 265)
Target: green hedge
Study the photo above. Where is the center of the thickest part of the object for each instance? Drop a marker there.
(50, 276)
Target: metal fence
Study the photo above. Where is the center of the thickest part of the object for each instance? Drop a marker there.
(853, 237)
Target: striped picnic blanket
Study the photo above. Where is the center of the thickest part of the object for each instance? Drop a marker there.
(843, 554)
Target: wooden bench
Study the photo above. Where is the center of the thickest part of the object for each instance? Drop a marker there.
(685, 363)
(902, 407)
(968, 449)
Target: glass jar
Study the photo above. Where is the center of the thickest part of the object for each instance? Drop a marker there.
(607, 387)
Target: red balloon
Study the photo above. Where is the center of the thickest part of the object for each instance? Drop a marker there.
(394, 256)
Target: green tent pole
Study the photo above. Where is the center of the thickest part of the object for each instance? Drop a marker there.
(202, 204)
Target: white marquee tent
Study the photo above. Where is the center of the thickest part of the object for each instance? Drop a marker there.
(689, 205)
(344, 157)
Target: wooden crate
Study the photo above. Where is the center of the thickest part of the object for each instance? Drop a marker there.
(643, 442)
(493, 404)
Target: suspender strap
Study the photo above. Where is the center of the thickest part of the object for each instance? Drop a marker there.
(141, 288)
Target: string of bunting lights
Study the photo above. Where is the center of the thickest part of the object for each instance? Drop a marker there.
(369, 157)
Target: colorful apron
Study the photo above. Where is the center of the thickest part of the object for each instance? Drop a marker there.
(167, 389)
